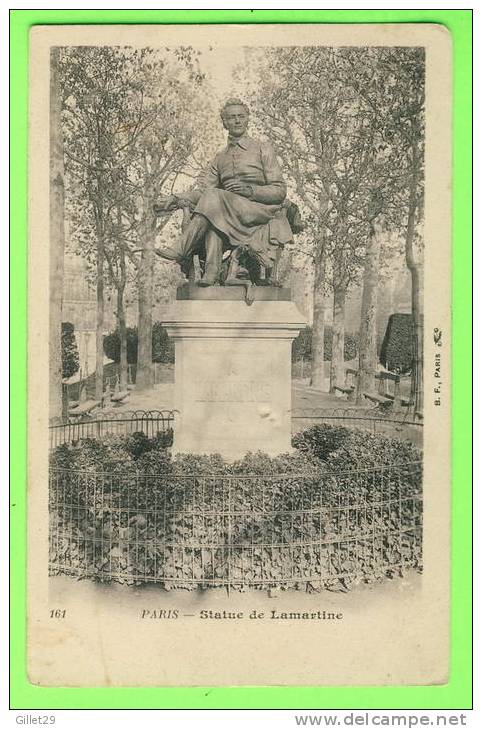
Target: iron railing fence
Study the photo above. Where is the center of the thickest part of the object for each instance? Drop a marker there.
(150, 422)
(259, 531)
(400, 425)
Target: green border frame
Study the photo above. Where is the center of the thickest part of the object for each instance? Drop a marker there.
(457, 694)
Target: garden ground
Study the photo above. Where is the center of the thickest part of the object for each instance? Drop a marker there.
(161, 397)
(304, 397)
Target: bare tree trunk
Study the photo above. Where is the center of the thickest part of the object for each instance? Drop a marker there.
(121, 320)
(145, 371)
(121, 314)
(57, 239)
(337, 368)
(416, 390)
(99, 332)
(318, 335)
(367, 356)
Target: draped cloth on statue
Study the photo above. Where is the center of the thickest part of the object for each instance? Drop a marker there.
(244, 222)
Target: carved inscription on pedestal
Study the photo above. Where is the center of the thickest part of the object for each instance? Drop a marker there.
(238, 391)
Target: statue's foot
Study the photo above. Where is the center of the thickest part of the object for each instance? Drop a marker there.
(241, 279)
(249, 294)
(272, 282)
(207, 281)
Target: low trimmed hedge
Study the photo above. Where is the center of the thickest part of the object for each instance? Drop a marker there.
(70, 351)
(302, 345)
(162, 345)
(396, 352)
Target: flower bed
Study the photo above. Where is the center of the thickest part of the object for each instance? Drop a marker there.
(343, 507)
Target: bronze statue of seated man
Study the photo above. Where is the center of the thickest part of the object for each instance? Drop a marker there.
(239, 205)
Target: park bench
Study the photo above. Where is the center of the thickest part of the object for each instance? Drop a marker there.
(418, 415)
(349, 387)
(119, 397)
(84, 408)
(384, 396)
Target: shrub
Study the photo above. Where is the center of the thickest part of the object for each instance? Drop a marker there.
(162, 345)
(314, 516)
(302, 345)
(367, 467)
(320, 440)
(112, 345)
(150, 455)
(139, 443)
(351, 346)
(70, 352)
(351, 449)
(396, 353)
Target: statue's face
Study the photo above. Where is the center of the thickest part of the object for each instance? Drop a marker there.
(235, 120)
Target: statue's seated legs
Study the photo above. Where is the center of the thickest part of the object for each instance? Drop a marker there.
(213, 246)
(199, 237)
(197, 234)
(184, 247)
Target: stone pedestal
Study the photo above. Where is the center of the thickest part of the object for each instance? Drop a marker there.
(233, 375)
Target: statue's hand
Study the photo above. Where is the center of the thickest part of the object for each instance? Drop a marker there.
(239, 188)
(166, 204)
(183, 203)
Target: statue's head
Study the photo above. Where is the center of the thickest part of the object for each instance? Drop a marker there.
(235, 116)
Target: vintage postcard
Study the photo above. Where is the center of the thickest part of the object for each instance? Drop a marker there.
(239, 355)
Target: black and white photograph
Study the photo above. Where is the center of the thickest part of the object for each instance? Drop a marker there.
(239, 355)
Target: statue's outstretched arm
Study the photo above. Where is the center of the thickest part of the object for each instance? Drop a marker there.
(189, 198)
(166, 204)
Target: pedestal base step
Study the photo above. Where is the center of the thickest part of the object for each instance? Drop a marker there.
(231, 293)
